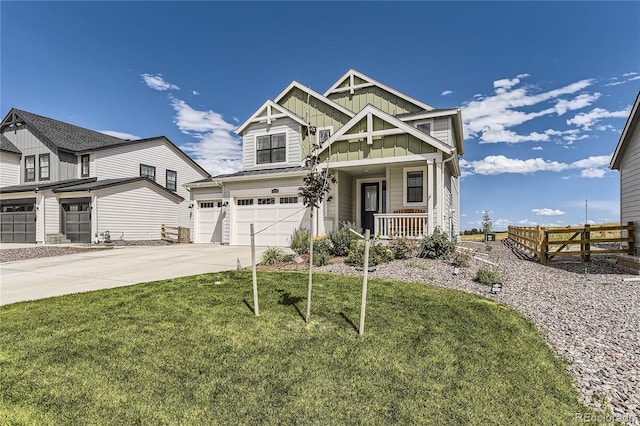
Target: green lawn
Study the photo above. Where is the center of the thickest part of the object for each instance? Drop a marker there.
(189, 351)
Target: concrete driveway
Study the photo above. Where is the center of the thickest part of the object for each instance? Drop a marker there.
(94, 270)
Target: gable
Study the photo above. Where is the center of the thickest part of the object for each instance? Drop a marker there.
(320, 113)
(627, 137)
(268, 113)
(355, 90)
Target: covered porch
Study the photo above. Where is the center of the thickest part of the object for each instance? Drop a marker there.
(391, 199)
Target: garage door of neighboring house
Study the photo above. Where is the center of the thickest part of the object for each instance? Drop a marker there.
(280, 215)
(18, 221)
(76, 219)
(209, 222)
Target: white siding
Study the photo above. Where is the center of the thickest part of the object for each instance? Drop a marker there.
(124, 161)
(134, 212)
(9, 169)
(285, 125)
(29, 144)
(51, 213)
(442, 130)
(630, 184)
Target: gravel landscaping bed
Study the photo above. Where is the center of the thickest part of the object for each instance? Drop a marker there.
(585, 310)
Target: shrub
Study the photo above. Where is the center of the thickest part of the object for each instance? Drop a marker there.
(321, 259)
(272, 255)
(460, 258)
(322, 245)
(378, 253)
(436, 246)
(402, 247)
(489, 275)
(300, 241)
(342, 241)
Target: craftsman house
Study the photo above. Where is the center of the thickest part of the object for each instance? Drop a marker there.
(396, 160)
(61, 182)
(626, 159)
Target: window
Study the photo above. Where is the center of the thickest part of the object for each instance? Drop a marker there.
(425, 128)
(210, 204)
(324, 135)
(245, 202)
(271, 148)
(262, 201)
(172, 180)
(43, 161)
(148, 172)
(30, 168)
(414, 186)
(288, 200)
(85, 168)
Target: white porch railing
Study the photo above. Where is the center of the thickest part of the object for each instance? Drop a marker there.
(395, 225)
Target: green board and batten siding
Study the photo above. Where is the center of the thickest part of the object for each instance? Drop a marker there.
(318, 113)
(379, 98)
(387, 147)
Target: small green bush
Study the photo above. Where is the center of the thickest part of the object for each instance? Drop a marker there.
(378, 253)
(460, 258)
(342, 241)
(321, 259)
(322, 245)
(272, 256)
(299, 241)
(402, 247)
(489, 274)
(436, 245)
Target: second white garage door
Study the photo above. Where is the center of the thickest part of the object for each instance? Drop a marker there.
(280, 215)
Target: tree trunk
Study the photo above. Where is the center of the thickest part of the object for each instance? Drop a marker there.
(311, 238)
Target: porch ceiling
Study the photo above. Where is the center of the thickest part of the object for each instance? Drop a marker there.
(363, 170)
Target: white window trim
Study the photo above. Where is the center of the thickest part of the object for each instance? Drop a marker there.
(330, 128)
(425, 182)
(429, 122)
(286, 147)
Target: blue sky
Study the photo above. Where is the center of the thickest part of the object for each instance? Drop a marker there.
(545, 87)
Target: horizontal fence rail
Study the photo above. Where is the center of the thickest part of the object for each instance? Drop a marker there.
(174, 234)
(395, 225)
(548, 242)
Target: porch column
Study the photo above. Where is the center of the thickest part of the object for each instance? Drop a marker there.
(430, 197)
(440, 196)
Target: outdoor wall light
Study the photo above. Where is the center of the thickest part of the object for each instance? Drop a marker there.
(495, 288)
(275, 190)
(225, 204)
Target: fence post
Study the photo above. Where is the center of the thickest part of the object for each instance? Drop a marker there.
(586, 247)
(163, 233)
(544, 247)
(365, 277)
(254, 276)
(631, 235)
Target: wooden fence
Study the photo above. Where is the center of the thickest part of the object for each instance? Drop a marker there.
(547, 243)
(174, 234)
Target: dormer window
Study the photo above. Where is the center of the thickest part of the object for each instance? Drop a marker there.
(43, 161)
(85, 165)
(271, 148)
(30, 168)
(424, 128)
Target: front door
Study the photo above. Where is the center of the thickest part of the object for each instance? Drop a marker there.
(370, 202)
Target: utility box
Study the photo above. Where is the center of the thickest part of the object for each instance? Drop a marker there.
(490, 237)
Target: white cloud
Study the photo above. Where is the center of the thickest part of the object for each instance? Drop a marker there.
(157, 82)
(446, 93)
(195, 92)
(121, 135)
(537, 148)
(592, 167)
(629, 74)
(588, 119)
(217, 148)
(490, 118)
(634, 78)
(548, 212)
(579, 102)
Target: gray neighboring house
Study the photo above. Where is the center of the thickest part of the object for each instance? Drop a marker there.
(626, 159)
(59, 181)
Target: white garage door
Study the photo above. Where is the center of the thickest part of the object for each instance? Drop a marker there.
(209, 222)
(280, 215)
